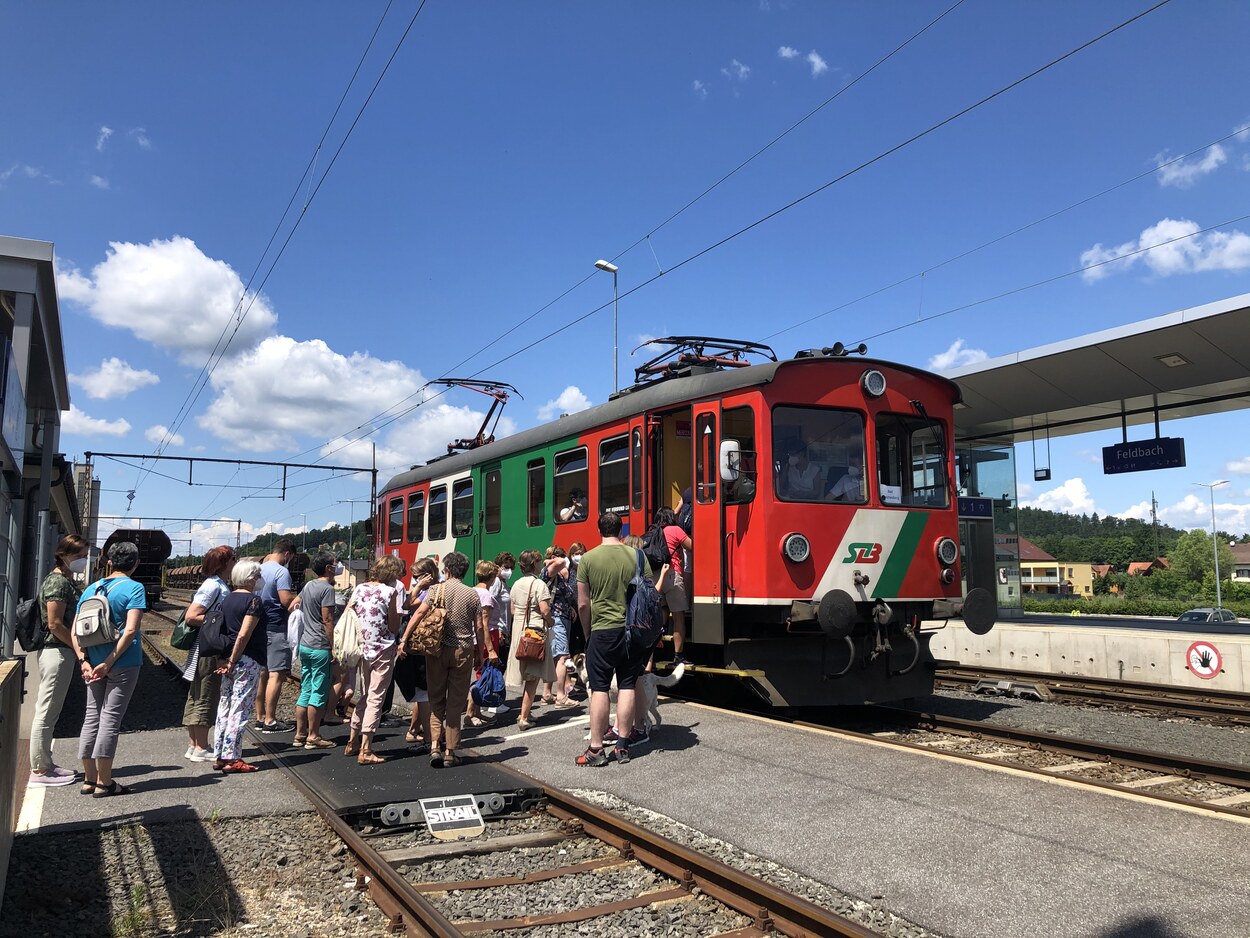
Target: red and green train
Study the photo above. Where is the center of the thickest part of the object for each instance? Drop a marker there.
(810, 588)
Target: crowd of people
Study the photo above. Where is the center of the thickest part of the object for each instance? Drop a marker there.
(428, 640)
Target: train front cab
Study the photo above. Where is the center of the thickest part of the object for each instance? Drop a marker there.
(821, 602)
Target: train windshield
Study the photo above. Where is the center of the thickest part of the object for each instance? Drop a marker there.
(912, 461)
(818, 455)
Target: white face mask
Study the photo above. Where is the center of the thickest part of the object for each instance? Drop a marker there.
(338, 569)
(79, 565)
(575, 558)
(506, 573)
(854, 471)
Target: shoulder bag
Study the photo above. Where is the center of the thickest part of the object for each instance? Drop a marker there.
(427, 637)
(184, 635)
(531, 647)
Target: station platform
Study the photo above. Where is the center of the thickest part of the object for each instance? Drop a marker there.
(1127, 654)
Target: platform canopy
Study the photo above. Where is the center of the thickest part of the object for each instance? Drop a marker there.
(1187, 363)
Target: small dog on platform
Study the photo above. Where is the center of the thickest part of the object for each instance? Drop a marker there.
(646, 692)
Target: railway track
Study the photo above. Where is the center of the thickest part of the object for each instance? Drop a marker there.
(1226, 709)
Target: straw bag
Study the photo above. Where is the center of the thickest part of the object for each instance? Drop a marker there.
(427, 637)
(531, 647)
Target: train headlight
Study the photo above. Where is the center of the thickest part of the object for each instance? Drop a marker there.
(873, 382)
(795, 548)
(947, 552)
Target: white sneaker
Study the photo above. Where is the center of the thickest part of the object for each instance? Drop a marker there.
(189, 753)
(203, 755)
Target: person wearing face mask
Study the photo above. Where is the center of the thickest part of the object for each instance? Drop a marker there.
(560, 576)
(849, 488)
(58, 600)
(239, 670)
(200, 713)
(802, 478)
(503, 602)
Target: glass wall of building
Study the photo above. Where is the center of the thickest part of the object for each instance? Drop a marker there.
(987, 470)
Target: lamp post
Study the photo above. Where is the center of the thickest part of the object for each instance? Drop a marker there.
(304, 538)
(612, 269)
(1215, 544)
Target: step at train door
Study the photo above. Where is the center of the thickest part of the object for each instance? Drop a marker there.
(705, 585)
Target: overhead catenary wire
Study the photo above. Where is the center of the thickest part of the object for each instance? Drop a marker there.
(739, 232)
(207, 373)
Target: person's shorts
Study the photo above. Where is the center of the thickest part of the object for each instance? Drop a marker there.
(277, 650)
(314, 685)
(607, 654)
(675, 593)
(559, 637)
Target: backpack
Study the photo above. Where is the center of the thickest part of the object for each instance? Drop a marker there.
(489, 689)
(30, 631)
(214, 639)
(93, 622)
(644, 616)
(655, 548)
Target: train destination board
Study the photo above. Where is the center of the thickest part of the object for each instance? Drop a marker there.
(1166, 452)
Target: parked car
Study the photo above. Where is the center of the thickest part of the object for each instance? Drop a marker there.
(1208, 615)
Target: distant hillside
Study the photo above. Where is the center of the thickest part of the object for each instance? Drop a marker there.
(1091, 539)
(333, 537)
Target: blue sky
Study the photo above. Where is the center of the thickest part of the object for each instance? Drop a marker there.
(511, 145)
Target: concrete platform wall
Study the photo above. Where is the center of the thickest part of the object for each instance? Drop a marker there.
(1121, 654)
(10, 709)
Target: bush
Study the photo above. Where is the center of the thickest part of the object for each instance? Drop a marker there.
(1129, 606)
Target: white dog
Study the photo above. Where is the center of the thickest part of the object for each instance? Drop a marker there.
(646, 688)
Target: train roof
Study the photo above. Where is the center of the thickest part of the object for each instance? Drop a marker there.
(649, 396)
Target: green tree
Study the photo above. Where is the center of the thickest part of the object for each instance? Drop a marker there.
(1192, 557)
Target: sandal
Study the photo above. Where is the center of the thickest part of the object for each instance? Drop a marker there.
(317, 742)
(369, 758)
(352, 749)
(412, 737)
(548, 698)
(114, 788)
(238, 767)
(88, 788)
(299, 741)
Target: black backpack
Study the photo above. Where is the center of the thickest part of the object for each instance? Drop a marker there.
(29, 630)
(655, 548)
(644, 614)
(214, 639)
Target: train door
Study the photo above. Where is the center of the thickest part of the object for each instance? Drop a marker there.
(639, 489)
(488, 538)
(705, 585)
(671, 453)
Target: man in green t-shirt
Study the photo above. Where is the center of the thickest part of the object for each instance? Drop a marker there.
(602, 581)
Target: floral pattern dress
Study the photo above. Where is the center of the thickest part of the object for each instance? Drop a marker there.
(371, 602)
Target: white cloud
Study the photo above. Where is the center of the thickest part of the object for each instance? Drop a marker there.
(818, 64)
(102, 138)
(25, 171)
(159, 433)
(1024, 491)
(1194, 511)
(700, 88)
(75, 421)
(140, 136)
(1175, 247)
(114, 378)
(98, 181)
(645, 342)
(1071, 497)
(957, 355)
(737, 70)
(217, 533)
(168, 293)
(281, 390)
(1184, 173)
(787, 52)
(570, 401)
(1239, 465)
(1243, 133)
(415, 439)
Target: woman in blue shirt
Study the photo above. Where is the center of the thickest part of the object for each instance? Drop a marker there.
(111, 671)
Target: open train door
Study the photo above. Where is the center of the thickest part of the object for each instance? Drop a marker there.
(706, 587)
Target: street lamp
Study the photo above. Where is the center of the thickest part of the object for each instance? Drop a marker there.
(1215, 544)
(612, 269)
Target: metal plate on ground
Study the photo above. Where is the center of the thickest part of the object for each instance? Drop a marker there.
(455, 817)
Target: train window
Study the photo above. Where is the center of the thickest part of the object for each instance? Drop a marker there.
(493, 502)
(395, 521)
(536, 491)
(818, 455)
(438, 513)
(706, 468)
(911, 461)
(416, 516)
(635, 471)
(572, 475)
(614, 474)
(738, 423)
(462, 508)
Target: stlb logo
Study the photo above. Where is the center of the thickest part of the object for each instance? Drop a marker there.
(863, 553)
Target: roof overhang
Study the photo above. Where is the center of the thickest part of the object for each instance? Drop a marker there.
(1188, 363)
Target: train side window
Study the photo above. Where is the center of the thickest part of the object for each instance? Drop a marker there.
(818, 455)
(395, 521)
(569, 501)
(706, 466)
(438, 513)
(912, 461)
(416, 516)
(536, 491)
(462, 508)
(738, 424)
(635, 459)
(614, 474)
(493, 502)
